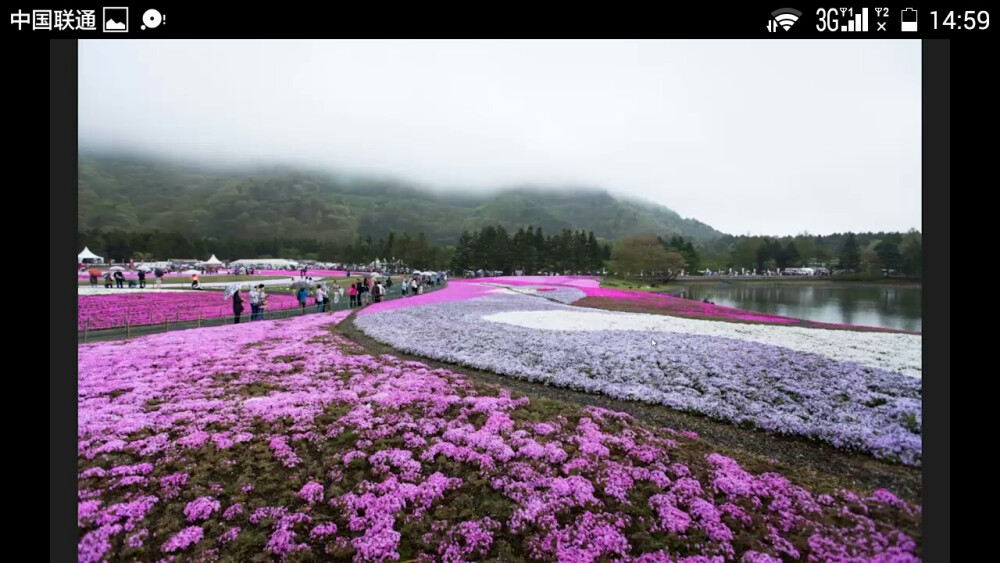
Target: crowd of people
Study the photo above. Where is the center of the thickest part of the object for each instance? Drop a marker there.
(371, 290)
(117, 279)
(258, 303)
(359, 293)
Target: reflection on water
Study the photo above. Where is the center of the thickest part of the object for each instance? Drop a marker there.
(883, 306)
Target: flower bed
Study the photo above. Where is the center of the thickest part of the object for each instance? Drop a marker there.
(559, 294)
(276, 439)
(899, 353)
(570, 281)
(454, 291)
(739, 377)
(628, 300)
(309, 273)
(97, 312)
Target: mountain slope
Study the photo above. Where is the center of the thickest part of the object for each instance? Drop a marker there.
(138, 195)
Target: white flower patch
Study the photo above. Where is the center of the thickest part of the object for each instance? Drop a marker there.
(503, 291)
(899, 353)
(558, 294)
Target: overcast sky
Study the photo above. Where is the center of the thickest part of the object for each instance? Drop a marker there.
(762, 137)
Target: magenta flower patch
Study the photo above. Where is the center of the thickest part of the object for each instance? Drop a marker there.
(327, 435)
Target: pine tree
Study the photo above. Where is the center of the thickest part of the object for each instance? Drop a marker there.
(850, 254)
(888, 254)
(594, 255)
(792, 256)
(462, 259)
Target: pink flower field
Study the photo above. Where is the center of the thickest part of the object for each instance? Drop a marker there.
(97, 312)
(281, 440)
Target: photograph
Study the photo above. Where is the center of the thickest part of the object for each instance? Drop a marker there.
(500, 300)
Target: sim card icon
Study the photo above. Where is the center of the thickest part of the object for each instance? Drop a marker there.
(909, 19)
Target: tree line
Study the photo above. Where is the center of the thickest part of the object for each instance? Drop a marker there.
(650, 257)
(867, 254)
(122, 246)
(532, 251)
(863, 253)
(529, 250)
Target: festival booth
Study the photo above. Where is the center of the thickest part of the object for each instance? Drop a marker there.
(88, 257)
(266, 263)
(212, 264)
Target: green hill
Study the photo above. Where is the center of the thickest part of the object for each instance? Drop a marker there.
(135, 194)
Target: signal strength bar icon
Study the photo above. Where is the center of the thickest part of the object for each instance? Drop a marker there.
(786, 17)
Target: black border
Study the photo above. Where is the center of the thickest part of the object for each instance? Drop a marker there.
(62, 326)
(936, 219)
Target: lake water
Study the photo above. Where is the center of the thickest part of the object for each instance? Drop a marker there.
(898, 307)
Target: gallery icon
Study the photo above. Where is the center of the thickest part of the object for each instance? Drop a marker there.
(115, 20)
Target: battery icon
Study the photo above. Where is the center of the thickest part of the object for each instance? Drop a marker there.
(909, 19)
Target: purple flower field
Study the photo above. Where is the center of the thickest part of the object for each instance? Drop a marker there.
(847, 404)
(279, 440)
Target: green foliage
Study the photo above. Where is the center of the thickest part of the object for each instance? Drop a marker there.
(888, 254)
(135, 195)
(528, 250)
(850, 254)
(645, 256)
(912, 255)
(141, 209)
(839, 250)
(686, 249)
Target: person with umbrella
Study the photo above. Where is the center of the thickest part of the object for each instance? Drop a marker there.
(158, 274)
(237, 306)
(142, 278)
(119, 279)
(94, 272)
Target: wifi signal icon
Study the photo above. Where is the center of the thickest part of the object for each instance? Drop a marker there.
(786, 17)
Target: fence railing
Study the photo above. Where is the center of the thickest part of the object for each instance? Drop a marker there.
(173, 322)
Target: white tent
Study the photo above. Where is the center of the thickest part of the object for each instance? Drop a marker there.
(213, 261)
(275, 262)
(89, 257)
